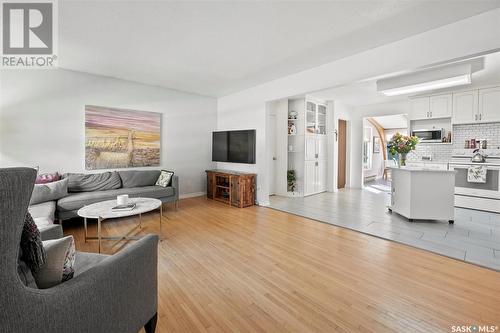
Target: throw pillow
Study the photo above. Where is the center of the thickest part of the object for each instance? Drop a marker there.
(59, 266)
(165, 178)
(45, 178)
(49, 192)
(32, 251)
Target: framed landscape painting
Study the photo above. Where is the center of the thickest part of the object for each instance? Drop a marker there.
(120, 138)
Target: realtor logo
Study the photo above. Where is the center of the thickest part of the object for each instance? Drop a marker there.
(28, 34)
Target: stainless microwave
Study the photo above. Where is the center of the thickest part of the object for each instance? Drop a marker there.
(429, 135)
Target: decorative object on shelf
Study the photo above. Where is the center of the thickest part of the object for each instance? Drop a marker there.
(376, 145)
(291, 180)
(293, 115)
(402, 145)
(120, 138)
(292, 129)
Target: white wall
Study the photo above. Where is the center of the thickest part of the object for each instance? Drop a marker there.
(42, 121)
(246, 109)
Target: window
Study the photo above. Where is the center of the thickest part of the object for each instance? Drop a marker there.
(367, 148)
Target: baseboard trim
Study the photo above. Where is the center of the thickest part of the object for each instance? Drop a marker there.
(192, 195)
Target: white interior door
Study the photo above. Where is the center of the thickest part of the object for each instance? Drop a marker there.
(272, 147)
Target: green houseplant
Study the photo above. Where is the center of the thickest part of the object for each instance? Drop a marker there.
(401, 145)
(291, 179)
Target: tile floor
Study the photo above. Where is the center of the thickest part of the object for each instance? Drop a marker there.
(475, 236)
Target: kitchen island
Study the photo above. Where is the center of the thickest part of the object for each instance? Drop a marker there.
(422, 193)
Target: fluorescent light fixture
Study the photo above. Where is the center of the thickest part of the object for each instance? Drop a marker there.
(435, 78)
(431, 85)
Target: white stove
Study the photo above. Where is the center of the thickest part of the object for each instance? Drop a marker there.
(481, 196)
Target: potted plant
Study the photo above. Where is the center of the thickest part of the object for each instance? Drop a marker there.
(401, 145)
(291, 179)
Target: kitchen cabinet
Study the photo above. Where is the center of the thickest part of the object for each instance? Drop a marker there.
(465, 107)
(440, 106)
(476, 106)
(431, 107)
(423, 194)
(420, 108)
(489, 105)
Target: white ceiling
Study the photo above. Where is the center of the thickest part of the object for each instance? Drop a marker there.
(365, 92)
(392, 122)
(216, 48)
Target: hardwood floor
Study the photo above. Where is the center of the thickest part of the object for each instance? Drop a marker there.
(224, 269)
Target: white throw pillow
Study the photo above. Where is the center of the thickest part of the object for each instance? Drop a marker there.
(165, 178)
(59, 264)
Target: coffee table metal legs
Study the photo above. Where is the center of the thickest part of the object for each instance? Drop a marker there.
(161, 218)
(99, 220)
(100, 237)
(85, 227)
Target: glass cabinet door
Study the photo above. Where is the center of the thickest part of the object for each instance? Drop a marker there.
(321, 128)
(311, 119)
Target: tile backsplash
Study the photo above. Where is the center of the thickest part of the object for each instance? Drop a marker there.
(437, 151)
(490, 132)
(443, 152)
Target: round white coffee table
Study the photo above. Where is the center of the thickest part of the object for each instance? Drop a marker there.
(103, 211)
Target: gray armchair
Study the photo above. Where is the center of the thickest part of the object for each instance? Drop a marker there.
(115, 293)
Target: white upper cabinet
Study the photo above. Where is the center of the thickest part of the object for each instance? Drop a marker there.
(420, 108)
(489, 105)
(465, 107)
(440, 106)
(476, 106)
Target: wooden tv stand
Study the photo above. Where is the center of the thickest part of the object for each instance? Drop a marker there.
(231, 187)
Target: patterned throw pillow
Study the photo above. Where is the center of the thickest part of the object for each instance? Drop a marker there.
(32, 251)
(165, 178)
(59, 265)
(45, 178)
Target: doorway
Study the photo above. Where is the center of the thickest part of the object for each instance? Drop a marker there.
(342, 154)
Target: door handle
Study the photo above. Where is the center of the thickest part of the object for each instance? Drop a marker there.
(274, 158)
(480, 116)
(316, 155)
(475, 117)
(316, 163)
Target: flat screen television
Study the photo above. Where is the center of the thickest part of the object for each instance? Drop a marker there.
(234, 146)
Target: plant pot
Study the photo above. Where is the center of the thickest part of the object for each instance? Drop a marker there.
(402, 159)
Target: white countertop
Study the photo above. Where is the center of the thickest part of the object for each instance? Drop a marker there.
(421, 169)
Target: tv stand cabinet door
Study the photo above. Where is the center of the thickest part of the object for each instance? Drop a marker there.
(210, 185)
(235, 189)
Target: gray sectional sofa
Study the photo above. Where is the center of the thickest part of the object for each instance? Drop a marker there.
(86, 189)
